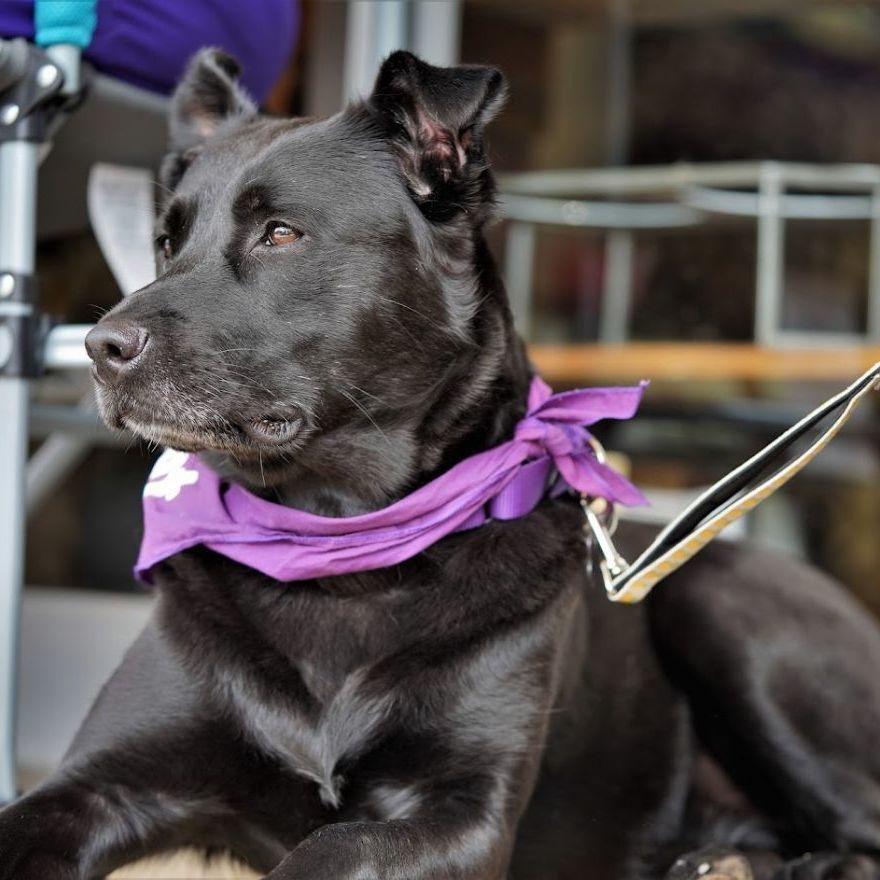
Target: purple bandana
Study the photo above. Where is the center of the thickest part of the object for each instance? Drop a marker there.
(186, 504)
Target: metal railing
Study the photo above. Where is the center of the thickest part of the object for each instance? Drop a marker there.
(622, 201)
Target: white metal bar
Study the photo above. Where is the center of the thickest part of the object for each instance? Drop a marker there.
(18, 211)
(13, 450)
(671, 178)
(770, 267)
(55, 459)
(519, 264)
(375, 28)
(69, 58)
(617, 287)
(51, 419)
(799, 206)
(392, 30)
(597, 214)
(65, 347)
(18, 181)
(873, 316)
(436, 31)
(358, 48)
(50, 465)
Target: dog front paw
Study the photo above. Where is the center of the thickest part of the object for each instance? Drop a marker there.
(33, 846)
(711, 864)
(830, 866)
(39, 866)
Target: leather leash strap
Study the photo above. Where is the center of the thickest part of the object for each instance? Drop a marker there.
(720, 505)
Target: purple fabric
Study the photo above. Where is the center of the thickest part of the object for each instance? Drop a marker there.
(148, 42)
(186, 504)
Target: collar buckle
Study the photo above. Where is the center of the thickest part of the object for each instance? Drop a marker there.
(600, 524)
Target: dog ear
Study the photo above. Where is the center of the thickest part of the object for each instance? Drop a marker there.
(436, 117)
(207, 97)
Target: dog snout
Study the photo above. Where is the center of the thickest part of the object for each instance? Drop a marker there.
(115, 348)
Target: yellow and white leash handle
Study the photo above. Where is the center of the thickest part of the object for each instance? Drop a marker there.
(719, 506)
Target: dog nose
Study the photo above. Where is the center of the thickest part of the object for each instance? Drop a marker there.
(114, 347)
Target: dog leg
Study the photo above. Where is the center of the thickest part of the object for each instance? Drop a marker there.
(39, 839)
(102, 813)
(724, 863)
(149, 770)
(779, 666)
(714, 863)
(830, 866)
(711, 864)
(400, 850)
(62, 831)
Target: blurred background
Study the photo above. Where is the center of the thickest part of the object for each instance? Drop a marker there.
(691, 194)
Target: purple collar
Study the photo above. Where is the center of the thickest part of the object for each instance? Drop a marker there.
(186, 504)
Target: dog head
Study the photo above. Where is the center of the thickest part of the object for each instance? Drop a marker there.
(327, 321)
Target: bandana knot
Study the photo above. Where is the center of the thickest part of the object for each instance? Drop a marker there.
(555, 438)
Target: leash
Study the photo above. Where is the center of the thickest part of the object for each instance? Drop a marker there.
(734, 495)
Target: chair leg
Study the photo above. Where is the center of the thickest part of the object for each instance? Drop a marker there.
(13, 437)
(19, 162)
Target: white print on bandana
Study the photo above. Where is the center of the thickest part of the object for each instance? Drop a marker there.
(169, 476)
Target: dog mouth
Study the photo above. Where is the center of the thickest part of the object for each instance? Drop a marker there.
(275, 430)
(189, 429)
(175, 436)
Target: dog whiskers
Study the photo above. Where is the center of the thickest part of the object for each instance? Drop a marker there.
(368, 394)
(366, 412)
(403, 305)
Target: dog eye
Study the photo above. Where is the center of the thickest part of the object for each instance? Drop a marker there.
(280, 233)
(166, 248)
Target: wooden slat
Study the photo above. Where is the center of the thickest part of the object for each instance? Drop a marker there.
(694, 362)
(656, 12)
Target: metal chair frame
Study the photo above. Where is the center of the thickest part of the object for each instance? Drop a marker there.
(34, 99)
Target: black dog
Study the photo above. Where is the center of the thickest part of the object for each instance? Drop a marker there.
(329, 329)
